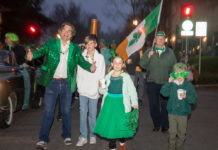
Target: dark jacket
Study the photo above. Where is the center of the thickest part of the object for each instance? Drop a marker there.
(174, 105)
(158, 66)
(131, 68)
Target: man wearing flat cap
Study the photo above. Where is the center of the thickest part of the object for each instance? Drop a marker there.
(158, 61)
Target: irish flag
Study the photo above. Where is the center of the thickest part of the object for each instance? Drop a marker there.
(137, 37)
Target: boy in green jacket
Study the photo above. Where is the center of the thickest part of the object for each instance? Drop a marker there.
(181, 95)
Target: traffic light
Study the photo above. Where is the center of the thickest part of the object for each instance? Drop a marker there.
(187, 25)
(187, 10)
(32, 29)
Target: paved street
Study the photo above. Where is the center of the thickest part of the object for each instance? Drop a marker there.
(202, 129)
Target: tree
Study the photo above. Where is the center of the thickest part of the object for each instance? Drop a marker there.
(20, 15)
(139, 10)
(74, 15)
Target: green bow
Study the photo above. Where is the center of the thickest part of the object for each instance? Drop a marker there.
(133, 120)
(161, 49)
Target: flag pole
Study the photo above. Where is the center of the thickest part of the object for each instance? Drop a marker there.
(158, 21)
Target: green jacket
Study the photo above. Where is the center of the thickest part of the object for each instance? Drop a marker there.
(51, 51)
(158, 67)
(176, 106)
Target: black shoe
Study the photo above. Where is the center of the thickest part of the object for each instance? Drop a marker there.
(140, 102)
(164, 130)
(156, 129)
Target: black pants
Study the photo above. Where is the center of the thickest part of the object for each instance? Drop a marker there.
(157, 104)
(112, 142)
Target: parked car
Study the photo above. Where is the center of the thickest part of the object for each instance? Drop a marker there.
(12, 89)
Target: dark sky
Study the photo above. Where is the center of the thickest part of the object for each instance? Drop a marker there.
(98, 7)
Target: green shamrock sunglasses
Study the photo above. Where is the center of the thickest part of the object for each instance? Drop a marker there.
(181, 74)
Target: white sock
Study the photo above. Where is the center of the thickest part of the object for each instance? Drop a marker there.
(122, 144)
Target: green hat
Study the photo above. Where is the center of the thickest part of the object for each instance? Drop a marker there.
(108, 44)
(81, 44)
(179, 66)
(102, 41)
(160, 33)
(13, 36)
(114, 42)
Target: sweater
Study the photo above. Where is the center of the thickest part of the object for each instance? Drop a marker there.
(174, 105)
(130, 97)
(87, 82)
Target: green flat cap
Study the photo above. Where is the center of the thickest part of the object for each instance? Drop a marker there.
(160, 33)
(114, 42)
(102, 41)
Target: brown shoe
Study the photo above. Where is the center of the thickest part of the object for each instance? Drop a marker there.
(156, 129)
(164, 130)
(122, 147)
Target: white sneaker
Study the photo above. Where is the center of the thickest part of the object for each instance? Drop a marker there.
(81, 141)
(42, 145)
(92, 140)
(67, 141)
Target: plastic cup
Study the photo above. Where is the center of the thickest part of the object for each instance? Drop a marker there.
(180, 92)
(103, 85)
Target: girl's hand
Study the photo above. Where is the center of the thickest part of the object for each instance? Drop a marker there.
(135, 107)
(170, 79)
(99, 84)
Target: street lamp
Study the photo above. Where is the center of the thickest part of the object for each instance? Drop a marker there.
(173, 40)
(204, 39)
(166, 40)
(135, 22)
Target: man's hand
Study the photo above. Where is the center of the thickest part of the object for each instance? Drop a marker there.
(93, 68)
(29, 54)
(150, 54)
(129, 61)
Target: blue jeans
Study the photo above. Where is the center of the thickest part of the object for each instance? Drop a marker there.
(157, 105)
(87, 105)
(57, 87)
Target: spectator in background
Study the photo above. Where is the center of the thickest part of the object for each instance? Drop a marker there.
(12, 44)
(216, 48)
(190, 75)
(195, 74)
(114, 44)
(105, 51)
(2, 45)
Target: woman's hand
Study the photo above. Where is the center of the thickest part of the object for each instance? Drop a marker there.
(135, 107)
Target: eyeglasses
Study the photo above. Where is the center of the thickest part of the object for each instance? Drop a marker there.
(181, 74)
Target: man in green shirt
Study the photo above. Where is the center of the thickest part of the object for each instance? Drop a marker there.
(58, 75)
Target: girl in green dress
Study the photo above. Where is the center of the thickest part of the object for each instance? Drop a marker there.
(119, 97)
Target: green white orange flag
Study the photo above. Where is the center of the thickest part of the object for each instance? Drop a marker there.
(137, 37)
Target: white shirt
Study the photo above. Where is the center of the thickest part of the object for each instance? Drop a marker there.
(87, 82)
(61, 71)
